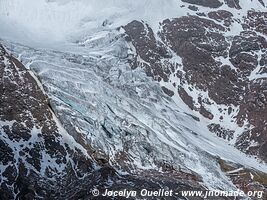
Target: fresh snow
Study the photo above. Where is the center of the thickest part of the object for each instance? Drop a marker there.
(47, 23)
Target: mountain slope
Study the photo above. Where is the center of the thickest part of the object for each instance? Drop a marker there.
(144, 99)
(40, 160)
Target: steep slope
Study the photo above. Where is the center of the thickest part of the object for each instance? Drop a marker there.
(165, 97)
(35, 156)
(40, 160)
(221, 77)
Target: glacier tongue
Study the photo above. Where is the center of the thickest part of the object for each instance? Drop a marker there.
(83, 66)
(98, 97)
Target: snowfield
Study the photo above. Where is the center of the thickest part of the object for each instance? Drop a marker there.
(50, 21)
(44, 22)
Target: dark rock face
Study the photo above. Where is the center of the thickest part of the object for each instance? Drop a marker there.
(256, 21)
(231, 69)
(248, 56)
(246, 42)
(236, 3)
(221, 132)
(186, 98)
(233, 4)
(143, 39)
(167, 91)
(254, 108)
(225, 67)
(262, 3)
(39, 161)
(206, 3)
(246, 179)
(188, 38)
(29, 134)
(194, 8)
(222, 16)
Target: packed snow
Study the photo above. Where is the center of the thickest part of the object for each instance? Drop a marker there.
(47, 22)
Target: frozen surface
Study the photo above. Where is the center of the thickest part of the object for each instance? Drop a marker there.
(115, 108)
(40, 21)
(49, 22)
(95, 92)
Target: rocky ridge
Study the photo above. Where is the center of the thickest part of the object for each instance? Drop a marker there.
(207, 70)
(40, 160)
(221, 73)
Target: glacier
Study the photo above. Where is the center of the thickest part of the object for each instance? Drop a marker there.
(77, 51)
